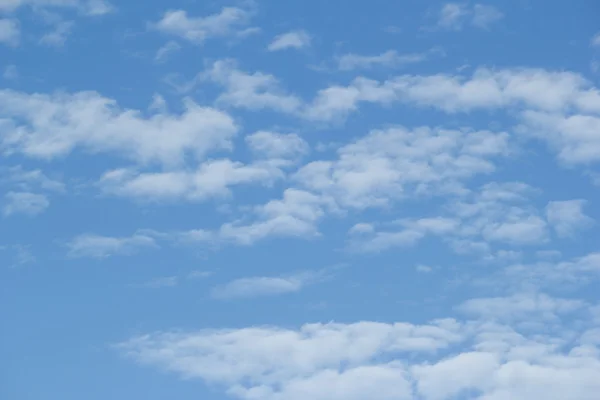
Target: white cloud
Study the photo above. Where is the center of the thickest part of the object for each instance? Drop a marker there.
(24, 203)
(595, 42)
(257, 286)
(49, 126)
(567, 217)
(261, 286)
(470, 222)
(211, 179)
(198, 29)
(10, 32)
(58, 36)
(387, 165)
(165, 51)
(412, 232)
(252, 91)
(562, 274)
(29, 180)
(11, 73)
(389, 59)
(573, 137)
(485, 15)
(157, 283)
(453, 16)
(290, 40)
(424, 269)
(442, 360)
(279, 147)
(295, 215)
(86, 7)
(96, 246)
(521, 307)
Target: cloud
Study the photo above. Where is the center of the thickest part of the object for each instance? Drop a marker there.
(86, 7)
(567, 217)
(165, 51)
(255, 91)
(454, 16)
(595, 42)
(51, 126)
(440, 360)
(295, 215)
(485, 15)
(158, 283)
(390, 164)
(95, 246)
(290, 40)
(10, 32)
(261, 286)
(470, 222)
(255, 287)
(279, 147)
(566, 275)
(11, 73)
(211, 179)
(24, 203)
(58, 36)
(572, 137)
(388, 59)
(198, 29)
(29, 180)
(520, 307)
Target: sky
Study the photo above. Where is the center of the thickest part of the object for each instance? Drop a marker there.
(290, 200)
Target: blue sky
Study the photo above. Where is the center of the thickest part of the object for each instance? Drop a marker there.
(267, 200)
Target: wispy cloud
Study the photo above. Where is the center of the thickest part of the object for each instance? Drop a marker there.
(290, 40)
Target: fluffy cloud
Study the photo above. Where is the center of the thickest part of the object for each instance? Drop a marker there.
(290, 40)
(278, 147)
(211, 179)
(24, 203)
(454, 16)
(471, 221)
(479, 358)
(10, 32)
(567, 217)
(87, 7)
(96, 246)
(198, 29)
(390, 59)
(260, 286)
(255, 91)
(49, 126)
(387, 165)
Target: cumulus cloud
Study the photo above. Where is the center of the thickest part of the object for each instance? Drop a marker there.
(290, 40)
(386, 165)
(261, 286)
(10, 32)
(87, 7)
(595, 42)
(567, 217)
(211, 179)
(388, 59)
(436, 361)
(256, 91)
(24, 203)
(280, 148)
(198, 29)
(454, 16)
(96, 246)
(50, 126)
(167, 50)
